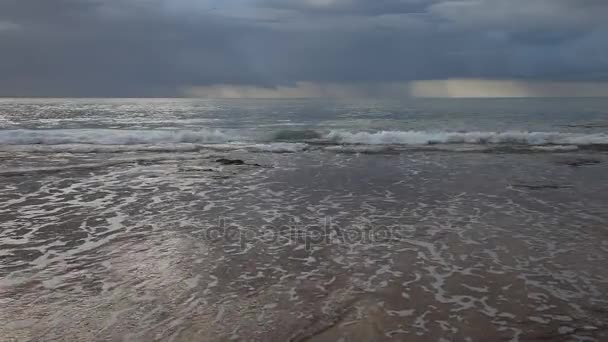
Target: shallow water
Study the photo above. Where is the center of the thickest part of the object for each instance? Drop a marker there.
(476, 241)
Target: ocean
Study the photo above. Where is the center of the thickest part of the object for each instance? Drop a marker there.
(304, 219)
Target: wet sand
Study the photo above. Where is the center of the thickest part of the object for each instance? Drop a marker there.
(316, 246)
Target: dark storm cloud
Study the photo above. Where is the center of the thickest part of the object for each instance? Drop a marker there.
(94, 48)
(157, 47)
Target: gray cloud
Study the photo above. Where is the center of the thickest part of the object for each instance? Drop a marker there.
(362, 7)
(158, 47)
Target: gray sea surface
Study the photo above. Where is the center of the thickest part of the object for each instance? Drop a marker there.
(303, 220)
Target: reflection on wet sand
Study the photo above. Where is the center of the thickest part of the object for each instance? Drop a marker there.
(320, 246)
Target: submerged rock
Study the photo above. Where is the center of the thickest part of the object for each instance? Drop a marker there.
(197, 169)
(541, 186)
(581, 162)
(225, 161)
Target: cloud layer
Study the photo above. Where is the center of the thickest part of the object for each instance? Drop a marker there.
(177, 47)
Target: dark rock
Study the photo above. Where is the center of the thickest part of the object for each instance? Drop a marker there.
(541, 186)
(225, 161)
(195, 169)
(581, 162)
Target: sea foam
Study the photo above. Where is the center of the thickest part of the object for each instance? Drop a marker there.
(429, 138)
(115, 140)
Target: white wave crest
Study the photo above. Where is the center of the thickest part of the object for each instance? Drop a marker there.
(108, 140)
(180, 147)
(92, 148)
(425, 138)
(112, 137)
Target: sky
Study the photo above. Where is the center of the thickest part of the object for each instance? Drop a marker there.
(303, 48)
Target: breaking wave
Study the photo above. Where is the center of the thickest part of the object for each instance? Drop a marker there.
(430, 138)
(114, 137)
(114, 140)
